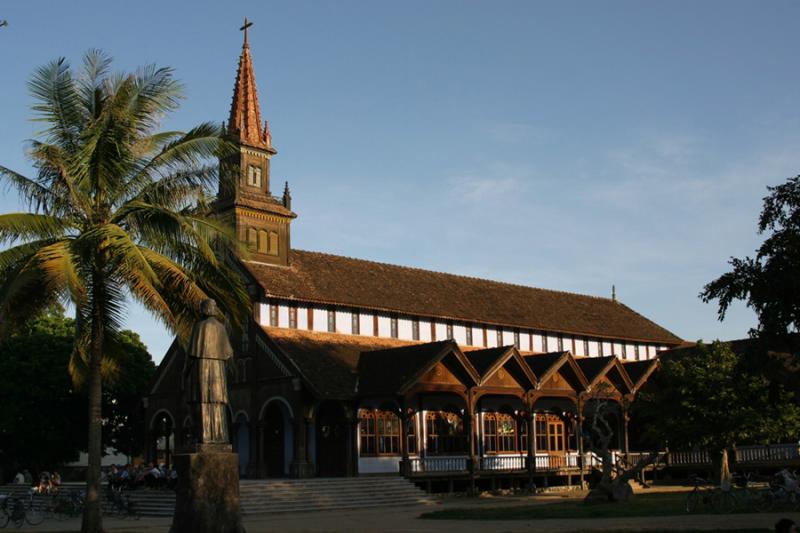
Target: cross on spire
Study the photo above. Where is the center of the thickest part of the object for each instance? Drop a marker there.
(247, 24)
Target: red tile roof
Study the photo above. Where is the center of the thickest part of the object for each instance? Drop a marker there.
(330, 279)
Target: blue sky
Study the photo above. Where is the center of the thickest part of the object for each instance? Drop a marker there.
(565, 145)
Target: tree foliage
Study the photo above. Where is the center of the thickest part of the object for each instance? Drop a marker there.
(769, 283)
(47, 426)
(711, 398)
(118, 209)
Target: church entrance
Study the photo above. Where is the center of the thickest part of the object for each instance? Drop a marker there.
(274, 440)
(331, 433)
(240, 432)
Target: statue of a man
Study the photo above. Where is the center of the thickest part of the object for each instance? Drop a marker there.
(204, 374)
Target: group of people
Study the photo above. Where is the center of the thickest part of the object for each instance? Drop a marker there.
(48, 483)
(142, 475)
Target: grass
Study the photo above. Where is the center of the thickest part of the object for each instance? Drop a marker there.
(668, 504)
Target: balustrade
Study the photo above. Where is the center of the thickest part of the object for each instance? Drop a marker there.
(503, 462)
(422, 465)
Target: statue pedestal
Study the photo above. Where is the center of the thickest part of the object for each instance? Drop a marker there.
(207, 495)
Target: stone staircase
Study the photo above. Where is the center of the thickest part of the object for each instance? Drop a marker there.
(266, 496)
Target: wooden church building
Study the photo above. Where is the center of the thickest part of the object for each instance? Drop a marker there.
(352, 367)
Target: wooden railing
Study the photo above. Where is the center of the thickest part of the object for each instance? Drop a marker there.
(421, 465)
(504, 462)
(774, 455)
(768, 454)
(698, 458)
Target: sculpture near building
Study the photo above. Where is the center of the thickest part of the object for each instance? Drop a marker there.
(207, 495)
(205, 384)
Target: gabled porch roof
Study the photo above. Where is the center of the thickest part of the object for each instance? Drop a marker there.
(544, 366)
(640, 371)
(397, 370)
(490, 360)
(597, 368)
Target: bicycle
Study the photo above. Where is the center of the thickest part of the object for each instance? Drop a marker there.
(703, 492)
(17, 511)
(761, 500)
(120, 505)
(66, 506)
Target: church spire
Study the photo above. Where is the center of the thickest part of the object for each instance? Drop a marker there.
(245, 117)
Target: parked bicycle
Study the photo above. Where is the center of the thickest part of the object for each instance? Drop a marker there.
(120, 505)
(702, 494)
(749, 497)
(66, 505)
(19, 510)
(784, 489)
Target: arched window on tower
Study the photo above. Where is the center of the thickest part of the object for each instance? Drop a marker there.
(252, 239)
(263, 244)
(273, 243)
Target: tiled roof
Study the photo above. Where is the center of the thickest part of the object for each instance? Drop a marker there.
(330, 279)
(328, 360)
(541, 363)
(483, 360)
(244, 121)
(345, 366)
(387, 371)
(593, 366)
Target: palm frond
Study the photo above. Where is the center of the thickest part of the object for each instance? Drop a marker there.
(26, 226)
(57, 102)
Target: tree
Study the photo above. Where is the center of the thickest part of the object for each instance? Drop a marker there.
(614, 476)
(709, 397)
(47, 425)
(117, 209)
(769, 282)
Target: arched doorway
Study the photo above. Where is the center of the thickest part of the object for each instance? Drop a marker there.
(241, 441)
(275, 436)
(162, 429)
(331, 440)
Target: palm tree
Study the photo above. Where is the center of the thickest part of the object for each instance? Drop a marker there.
(118, 210)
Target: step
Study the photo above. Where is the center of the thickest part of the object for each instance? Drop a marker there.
(287, 495)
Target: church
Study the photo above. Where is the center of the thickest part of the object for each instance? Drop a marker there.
(350, 367)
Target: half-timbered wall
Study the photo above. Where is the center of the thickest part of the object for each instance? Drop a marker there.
(349, 321)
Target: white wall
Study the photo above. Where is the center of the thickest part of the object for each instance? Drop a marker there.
(302, 318)
(508, 338)
(384, 326)
(425, 330)
(344, 322)
(320, 319)
(537, 343)
(477, 336)
(366, 323)
(441, 331)
(491, 337)
(460, 333)
(264, 314)
(524, 341)
(594, 348)
(405, 329)
(283, 316)
(552, 343)
(579, 347)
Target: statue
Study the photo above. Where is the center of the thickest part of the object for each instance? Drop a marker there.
(205, 384)
(207, 494)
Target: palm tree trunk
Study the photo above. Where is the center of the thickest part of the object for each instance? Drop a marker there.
(92, 517)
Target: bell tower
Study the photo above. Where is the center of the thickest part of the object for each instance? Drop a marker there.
(262, 221)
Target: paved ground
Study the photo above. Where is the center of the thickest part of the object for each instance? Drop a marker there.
(404, 520)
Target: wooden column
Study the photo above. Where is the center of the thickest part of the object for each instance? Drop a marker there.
(530, 419)
(579, 429)
(473, 463)
(625, 419)
(404, 463)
